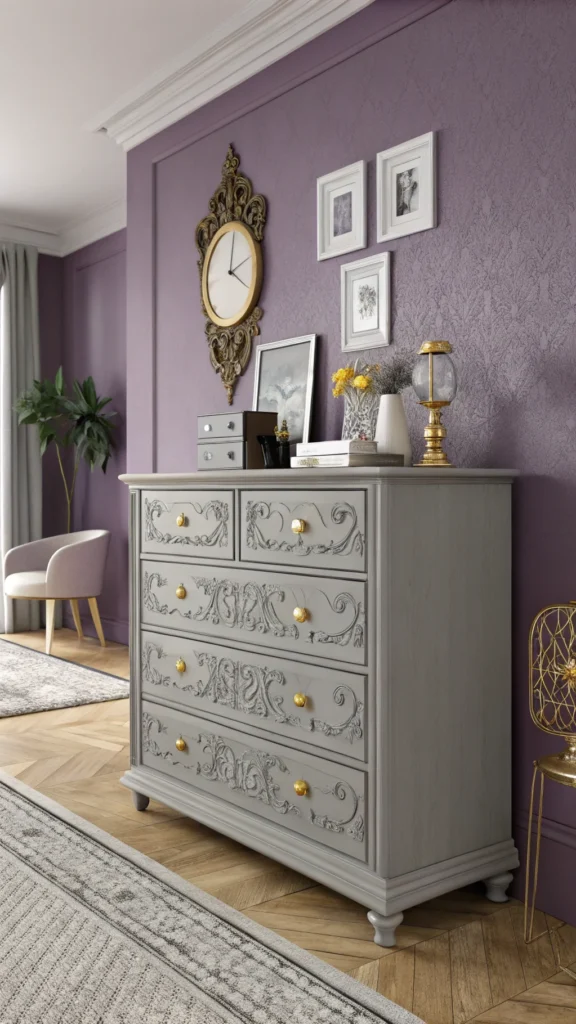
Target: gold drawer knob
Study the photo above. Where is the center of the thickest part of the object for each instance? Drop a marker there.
(301, 787)
(181, 743)
(298, 525)
(300, 700)
(180, 666)
(181, 592)
(181, 520)
(301, 614)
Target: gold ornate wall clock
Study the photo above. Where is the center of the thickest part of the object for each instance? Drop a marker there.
(230, 265)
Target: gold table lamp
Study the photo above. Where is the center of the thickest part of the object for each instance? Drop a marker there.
(552, 682)
(434, 381)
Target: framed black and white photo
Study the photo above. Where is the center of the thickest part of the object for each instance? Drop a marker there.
(341, 211)
(406, 188)
(365, 303)
(284, 380)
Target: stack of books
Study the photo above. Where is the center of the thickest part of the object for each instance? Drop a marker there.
(324, 454)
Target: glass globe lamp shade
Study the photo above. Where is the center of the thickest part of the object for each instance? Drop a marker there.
(434, 376)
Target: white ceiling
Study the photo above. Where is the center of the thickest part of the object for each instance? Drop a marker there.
(63, 62)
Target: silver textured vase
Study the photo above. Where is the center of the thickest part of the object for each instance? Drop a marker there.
(360, 414)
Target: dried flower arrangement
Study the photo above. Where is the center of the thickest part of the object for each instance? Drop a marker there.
(380, 379)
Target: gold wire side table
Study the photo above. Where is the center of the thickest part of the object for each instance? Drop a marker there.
(552, 683)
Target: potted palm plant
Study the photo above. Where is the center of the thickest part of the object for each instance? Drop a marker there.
(76, 421)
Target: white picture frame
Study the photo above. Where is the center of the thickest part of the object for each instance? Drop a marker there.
(365, 303)
(284, 382)
(341, 211)
(407, 206)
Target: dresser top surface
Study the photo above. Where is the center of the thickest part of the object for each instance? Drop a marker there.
(302, 477)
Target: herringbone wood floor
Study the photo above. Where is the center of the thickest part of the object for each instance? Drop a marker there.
(459, 958)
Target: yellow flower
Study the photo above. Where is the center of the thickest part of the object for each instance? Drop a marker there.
(338, 390)
(343, 375)
(361, 382)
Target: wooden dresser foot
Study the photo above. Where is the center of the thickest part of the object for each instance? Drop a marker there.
(384, 927)
(497, 885)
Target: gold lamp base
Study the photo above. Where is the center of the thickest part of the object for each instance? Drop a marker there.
(434, 435)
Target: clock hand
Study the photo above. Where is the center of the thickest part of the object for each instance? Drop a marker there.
(230, 271)
(238, 278)
(241, 264)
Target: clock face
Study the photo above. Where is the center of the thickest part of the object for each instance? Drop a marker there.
(232, 275)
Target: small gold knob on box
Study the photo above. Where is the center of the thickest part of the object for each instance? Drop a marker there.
(181, 520)
(298, 525)
(301, 787)
(181, 743)
(300, 700)
(301, 614)
(181, 592)
(180, 666)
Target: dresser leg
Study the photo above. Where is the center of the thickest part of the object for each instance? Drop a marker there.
(384, 927)
(496, 887)
(140, 801)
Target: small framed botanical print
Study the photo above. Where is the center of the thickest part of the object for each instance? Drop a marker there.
(341, 211)
(365, 303)
(406, 188)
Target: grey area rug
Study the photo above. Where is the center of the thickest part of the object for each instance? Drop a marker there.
(92, 932)
(31, 681)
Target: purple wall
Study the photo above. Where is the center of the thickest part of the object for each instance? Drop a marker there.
(83, 328)
(497, 276)
(51, 319)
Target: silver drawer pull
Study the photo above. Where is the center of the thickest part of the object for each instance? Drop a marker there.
(230, 425)
(230, 455)
(207, 456)
(207, 427)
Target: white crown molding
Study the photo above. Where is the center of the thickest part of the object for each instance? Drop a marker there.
(90, 229)
(262, 33)
(74, 236)
(45, 241)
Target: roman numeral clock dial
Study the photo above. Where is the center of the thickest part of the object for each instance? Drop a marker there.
(228, 240)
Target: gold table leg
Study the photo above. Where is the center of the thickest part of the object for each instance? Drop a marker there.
(529, 909)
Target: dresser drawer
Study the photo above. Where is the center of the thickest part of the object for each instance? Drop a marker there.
(196, 522)
(258, 690)
(227, 424)
(333, 525)
(260, 777)
(257, 608)
(221, 455)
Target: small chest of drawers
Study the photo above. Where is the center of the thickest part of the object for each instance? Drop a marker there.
(319, 661)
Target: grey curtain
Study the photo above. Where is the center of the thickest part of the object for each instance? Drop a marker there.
(20, 463)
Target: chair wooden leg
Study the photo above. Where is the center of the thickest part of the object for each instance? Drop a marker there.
(50, 612)
(76, 617)
(96, 620)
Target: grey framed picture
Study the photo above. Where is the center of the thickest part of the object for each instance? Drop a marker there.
(284, 380)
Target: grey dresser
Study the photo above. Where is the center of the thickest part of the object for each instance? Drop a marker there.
(320, 665)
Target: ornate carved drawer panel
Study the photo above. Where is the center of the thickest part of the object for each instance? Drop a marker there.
(262, 777)
(320, 529)
(319, 706)
(193, 523)
(319, 617)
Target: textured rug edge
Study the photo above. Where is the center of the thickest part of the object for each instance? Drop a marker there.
(60, 703)
(337, 979)
(65, 661)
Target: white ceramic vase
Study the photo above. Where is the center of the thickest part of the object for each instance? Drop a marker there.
(392, 432)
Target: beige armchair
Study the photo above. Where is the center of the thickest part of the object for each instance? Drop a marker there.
(68, 567)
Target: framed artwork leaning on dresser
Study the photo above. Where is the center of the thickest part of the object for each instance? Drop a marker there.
(284, 381)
